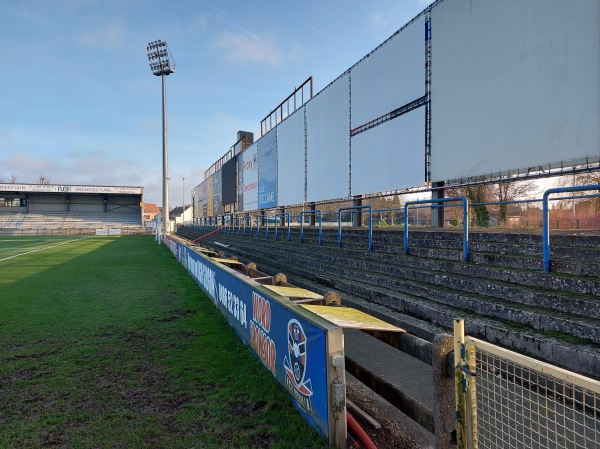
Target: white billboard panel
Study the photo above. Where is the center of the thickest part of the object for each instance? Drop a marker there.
(291, 158)
(391, 76)
(267, 170)
(514, 84)
(249, 177)
(328, 142)
(390, 156)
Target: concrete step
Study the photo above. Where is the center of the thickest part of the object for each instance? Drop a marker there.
(547, 285)
(582, 358)
(575, 255)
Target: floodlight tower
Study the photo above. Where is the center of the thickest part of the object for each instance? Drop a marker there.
(163, 64)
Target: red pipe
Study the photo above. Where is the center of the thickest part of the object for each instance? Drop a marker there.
(359, 432)
(206, 235)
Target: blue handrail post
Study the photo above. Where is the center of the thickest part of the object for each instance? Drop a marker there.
(465, 204)
(320, 218)
(370, 222)
(266, 227)
(546, 218)
(285, 215)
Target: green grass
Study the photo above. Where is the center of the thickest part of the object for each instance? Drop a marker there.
(107, 342)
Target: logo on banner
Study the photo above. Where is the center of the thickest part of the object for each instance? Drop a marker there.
(295, 365)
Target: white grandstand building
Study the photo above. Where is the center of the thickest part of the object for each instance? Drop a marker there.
(70, 209)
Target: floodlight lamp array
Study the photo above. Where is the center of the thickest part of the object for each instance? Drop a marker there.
(160, 57)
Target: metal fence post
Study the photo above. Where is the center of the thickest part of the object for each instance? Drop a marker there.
(470, 359)
(459, 384)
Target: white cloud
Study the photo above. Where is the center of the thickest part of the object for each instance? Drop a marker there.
(247, 49)
(111, 35)
(377, 20)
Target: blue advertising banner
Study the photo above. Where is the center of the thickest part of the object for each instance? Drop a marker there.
(291, 348)
(267, 170)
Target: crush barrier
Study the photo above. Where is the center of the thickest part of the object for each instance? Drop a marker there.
(302, 351)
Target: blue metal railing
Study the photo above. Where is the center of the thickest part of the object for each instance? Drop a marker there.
(319, 217)
(465, 205)
(242, 229)
(251, 224)
(546, 216)
(289, 219)
(356, 209)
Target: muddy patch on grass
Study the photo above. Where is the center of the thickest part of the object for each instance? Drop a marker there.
(175, 315)
(143, 389)
(20, 374)
(55, 438)
(244, 407)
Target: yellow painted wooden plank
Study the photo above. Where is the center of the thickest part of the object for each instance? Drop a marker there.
(229, 261)
(351, 318)
(205, 250)
(293, 292)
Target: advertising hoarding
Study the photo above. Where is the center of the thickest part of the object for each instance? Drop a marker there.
(391, 76)
(267, 170)
(229, 181)
(390, 156)
(515, 85)
(290, 346)
(291, 159)
(328, 142)
(249, 178)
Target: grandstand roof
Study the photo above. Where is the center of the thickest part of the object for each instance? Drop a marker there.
(64, 188)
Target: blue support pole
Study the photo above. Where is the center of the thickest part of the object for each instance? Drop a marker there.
(370, 222)
(288, 216)
(546, 218)
(319, 217)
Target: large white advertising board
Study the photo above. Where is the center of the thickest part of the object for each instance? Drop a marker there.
(514, 84)
(390, 156)
(328, 142)
(291, 158)
(249, 176)
(391, 76)
(267, 170)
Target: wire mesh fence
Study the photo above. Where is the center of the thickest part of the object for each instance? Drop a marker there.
(523, 403)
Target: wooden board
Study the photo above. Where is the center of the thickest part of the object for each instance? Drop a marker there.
(293, 292)
(204, 250)
(227, 261)
(351, 318)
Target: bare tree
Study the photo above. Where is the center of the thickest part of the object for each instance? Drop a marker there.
(584, 205)
(478, 193)
(510, 191)
(43, 180)
(13, 179)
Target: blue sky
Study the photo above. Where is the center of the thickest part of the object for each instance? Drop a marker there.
(79, 104)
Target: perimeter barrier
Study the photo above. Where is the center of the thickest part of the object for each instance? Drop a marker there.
(302, 351)
(507, 400)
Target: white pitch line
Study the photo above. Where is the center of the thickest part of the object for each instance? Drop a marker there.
(40, 249)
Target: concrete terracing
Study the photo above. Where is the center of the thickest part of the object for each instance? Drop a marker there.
(501, 292)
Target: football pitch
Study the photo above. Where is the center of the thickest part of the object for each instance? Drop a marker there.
(108, 342)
